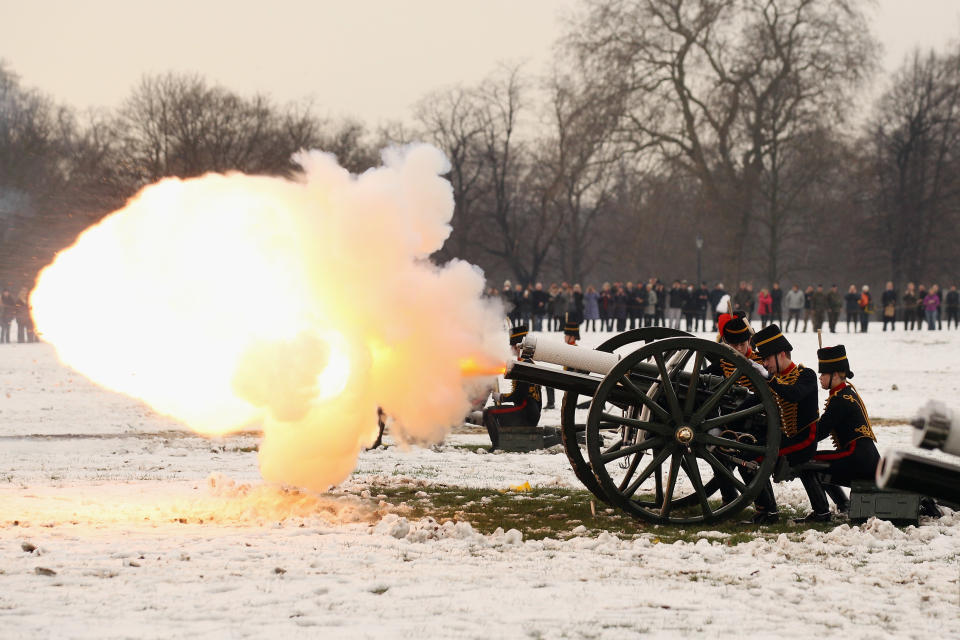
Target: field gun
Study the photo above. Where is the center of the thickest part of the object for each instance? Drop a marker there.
(662, 430)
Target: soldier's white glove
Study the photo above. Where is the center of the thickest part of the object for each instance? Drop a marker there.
(761, 369)
(496, 397)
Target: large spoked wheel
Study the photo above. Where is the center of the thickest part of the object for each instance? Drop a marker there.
(689, 433)
(572, 434)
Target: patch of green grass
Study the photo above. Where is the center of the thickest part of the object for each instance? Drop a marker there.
(554, 513)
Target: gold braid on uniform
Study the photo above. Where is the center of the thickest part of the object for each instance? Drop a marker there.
(865, 430)
(788, 410)
(729, 368)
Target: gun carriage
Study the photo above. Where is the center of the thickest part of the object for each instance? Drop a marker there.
(661, 432)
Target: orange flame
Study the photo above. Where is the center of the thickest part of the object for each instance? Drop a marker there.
(470, 367)
(302, 306)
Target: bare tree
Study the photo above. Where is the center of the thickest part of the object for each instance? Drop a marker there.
(579, 160)
(177, 125)
(451, 120)
(711, 84)
(519, 225)
(915, 140)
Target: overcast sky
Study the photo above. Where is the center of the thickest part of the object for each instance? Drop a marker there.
(368, 59)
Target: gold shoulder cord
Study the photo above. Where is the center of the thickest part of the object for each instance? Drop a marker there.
(864, 429)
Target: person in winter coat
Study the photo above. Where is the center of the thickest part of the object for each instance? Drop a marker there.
(661, 304)
(909, 307)
(620, 309)
(716, 295)
(888, 306)
(24, 319)
(776, 293)
(819, 305)
(952, 304)
(834, 305)
(866, 307)
(794, 300)
(8, 311)
(591, 308)
(852, 300)
(931, 304)
(650, 309)
(689, 308)
(606, 307)
(556, 307)
(540, 301)
(921, 314)
(765, 306)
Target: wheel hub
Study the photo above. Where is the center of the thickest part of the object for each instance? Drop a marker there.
(684, 435)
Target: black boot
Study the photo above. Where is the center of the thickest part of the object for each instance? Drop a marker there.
(929, 508)
(817, 497)
(550, 398)
(838, 495)
(493, 429)
(765, 504)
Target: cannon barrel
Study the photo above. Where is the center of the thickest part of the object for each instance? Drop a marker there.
(584, 360)
(643, 375)
(936, 427)
(919, 474)
(568, 355)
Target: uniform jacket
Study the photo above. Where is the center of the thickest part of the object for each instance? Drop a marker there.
(796, 393)
(844, 418)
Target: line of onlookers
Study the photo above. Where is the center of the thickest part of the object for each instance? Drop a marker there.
(621, 306)
(16, 308)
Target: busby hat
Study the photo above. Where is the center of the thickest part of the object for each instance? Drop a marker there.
(770, 341)
(834, 359)
(735, 330)
(518, 333)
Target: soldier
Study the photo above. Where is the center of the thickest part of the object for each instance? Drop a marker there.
(734, 332)
(844, 419)
(795, 390)
(520, 407)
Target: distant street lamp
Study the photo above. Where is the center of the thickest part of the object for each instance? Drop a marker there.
(699, 251)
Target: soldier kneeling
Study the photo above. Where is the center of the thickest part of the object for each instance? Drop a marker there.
(520, 407)
(845, 419)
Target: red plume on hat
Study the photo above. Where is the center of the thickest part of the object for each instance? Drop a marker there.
(722, 320)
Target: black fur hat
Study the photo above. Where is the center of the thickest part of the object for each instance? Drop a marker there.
(735, 330)
(770, 341)
(518, 333)
(833, 359)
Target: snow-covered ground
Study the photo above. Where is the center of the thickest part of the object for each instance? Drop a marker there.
(119, 523)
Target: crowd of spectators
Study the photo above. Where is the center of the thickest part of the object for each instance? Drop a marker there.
(621, 306)
(16, 309)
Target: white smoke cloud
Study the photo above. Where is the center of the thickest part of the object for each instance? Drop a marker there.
(302, 305)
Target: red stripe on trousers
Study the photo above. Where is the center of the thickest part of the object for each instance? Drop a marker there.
(798, 445)
(836, 455)
(510, 409)
(805, 443)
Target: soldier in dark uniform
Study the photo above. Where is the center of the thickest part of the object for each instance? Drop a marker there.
(734, 332)
(520, 407)
(795, 390)
(845, 420)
